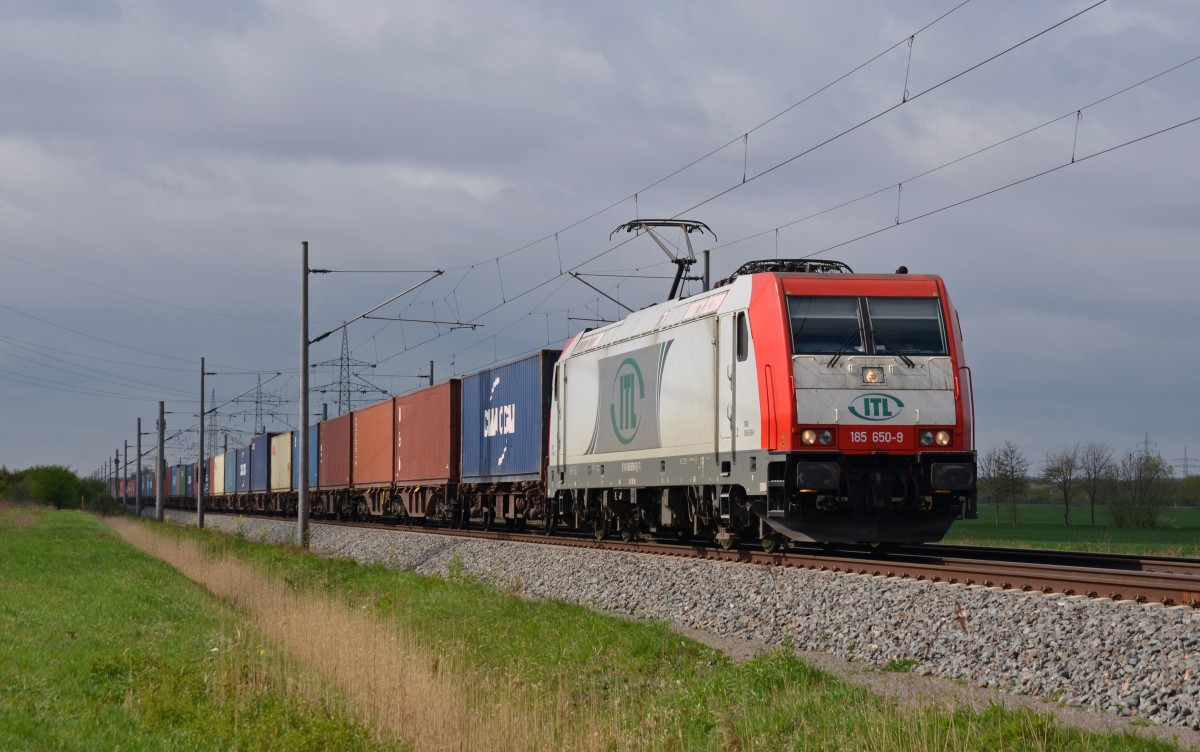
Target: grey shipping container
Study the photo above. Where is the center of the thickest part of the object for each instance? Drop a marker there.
(231, 473)
(505, 420)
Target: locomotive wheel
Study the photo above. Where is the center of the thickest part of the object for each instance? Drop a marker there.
(773, 542)
(627, 534)
(600, 529)
(726, 542)
(551, 524)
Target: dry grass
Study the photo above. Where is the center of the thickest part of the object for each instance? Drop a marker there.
(400, 689)
(17, 516)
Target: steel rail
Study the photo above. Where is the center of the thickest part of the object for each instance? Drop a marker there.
(1118, 582)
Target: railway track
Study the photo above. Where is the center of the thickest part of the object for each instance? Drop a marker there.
(1117, 577)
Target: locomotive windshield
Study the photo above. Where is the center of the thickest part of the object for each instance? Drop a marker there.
(823, 325)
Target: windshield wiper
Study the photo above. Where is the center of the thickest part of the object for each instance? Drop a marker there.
(841, 350)
(907, 361)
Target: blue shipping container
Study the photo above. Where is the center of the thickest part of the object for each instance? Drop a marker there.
(243, 470)
(189, 475)
(314, 458)
(174, 473)
(231, 471)
(260, 463)
(505, 420)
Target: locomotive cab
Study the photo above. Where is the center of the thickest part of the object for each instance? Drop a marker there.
(882, 447)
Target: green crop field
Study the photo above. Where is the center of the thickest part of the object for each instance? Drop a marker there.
(1041, 526)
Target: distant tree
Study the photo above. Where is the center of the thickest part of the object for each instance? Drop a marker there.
(1002, 476)
(53, 484)
(1189, 491)
(1142, 487)
(1095, 471)
(1061, 472)
(12, 485)
(989, 479)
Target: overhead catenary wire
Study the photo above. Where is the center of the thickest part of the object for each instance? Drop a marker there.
(964, 157)
(506, 300)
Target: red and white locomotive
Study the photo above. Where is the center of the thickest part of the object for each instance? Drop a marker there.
(795, 400)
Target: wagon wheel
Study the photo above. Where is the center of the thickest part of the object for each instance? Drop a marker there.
(627, 534)
(489, 518)
(726, 541)
(600, 528)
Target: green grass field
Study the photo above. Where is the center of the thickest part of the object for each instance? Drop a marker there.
(1041, 526)
(104, 648)
(656, 689)
(107, 648)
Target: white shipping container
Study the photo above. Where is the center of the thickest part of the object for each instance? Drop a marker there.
(281, 462)
(216, 483)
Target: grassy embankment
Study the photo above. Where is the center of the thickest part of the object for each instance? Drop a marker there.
(103, 647)
(484, 669)
(1041, 526)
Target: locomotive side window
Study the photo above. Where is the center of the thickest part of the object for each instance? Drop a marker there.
(912, 326)
(743, 337)
(824, 325)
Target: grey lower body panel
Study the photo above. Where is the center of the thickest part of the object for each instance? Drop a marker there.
(823, 496)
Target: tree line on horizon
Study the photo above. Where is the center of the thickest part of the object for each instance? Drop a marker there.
(55, 485)
(1133, 488)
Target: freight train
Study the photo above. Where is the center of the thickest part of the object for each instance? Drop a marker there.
(796, 400)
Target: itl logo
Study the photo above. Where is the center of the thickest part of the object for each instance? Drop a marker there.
(876, 407)
(630, 389)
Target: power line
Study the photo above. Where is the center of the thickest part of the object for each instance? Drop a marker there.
(888, 110)
(144, 299)
(736, 139)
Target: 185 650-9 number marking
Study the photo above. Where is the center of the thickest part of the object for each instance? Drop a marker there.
(877, 437)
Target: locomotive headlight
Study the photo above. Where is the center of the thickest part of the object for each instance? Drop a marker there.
(930, 438)
(824, 437)
(872, 375)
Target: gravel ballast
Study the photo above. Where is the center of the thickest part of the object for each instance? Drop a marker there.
(1124, 658)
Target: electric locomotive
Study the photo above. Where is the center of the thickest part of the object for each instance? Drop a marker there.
(794, 400)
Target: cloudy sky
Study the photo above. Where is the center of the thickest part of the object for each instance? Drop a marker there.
(161, 163)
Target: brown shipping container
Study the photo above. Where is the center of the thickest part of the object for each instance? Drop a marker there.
(373, 442)
(428, 436)
(334, 441)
